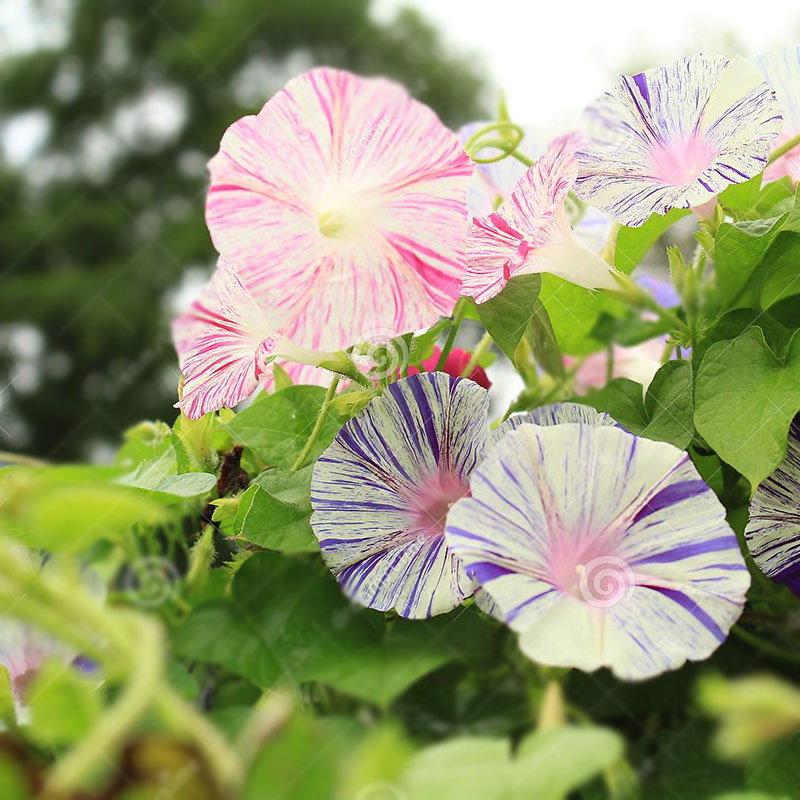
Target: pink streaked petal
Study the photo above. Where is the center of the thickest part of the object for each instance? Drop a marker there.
(223, 342)
(530, 232)
(343, 180)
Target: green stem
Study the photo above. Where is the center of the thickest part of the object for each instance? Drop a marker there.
(200, 559)
(483, 344)
(110, 732)
(770, 649)
(609, 362)
(342, 364)
(323, 410)
(522, 158)
(784, 148)
(128, 648)
(458, 316)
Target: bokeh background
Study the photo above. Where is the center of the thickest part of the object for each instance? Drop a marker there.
(109, 110)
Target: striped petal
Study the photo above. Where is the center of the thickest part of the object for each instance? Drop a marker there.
(552, 414)
(492, 184)
(600, 549)
(343, 202)
(782, 71)
(531, 232)
(224, 342)
(555, 414)
(773, 530)
(382, 490)
(673, 137)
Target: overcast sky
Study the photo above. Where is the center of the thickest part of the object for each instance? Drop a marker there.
(554, 57)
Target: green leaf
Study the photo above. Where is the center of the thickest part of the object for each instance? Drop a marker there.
(64, 704)
(745, 399)
(669, 405)
(623, 399)
(633, 243)
(776, 768)
(543, 342)
(159, 475)
(507, 315)
(275, 511)
(780, 271)
(748, 200)
(143, 442)
(574, 313)
(276, 426)
(461, 768)
(547, 765)
(734, 323)
(71, 517)
(13, 783)
(739, 248)
(287, 621)
(664, 414)
(281, 377)
(302, 760)
(554, 762)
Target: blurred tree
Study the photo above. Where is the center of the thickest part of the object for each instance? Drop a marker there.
(102, 224)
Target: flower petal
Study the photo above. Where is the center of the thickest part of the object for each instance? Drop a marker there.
(343, 201)
(782, 71)
(773, 530)
(531, 232)
(219, 341)
(673, 137)
(600, 549)
(381, 491)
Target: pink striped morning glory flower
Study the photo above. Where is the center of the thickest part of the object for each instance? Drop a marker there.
(782, 71)
(600, 548)
(773, 530)
(382, 490)
(226, 341)
(531, 232)
(674, 137)
(494, 182)
(343, 204)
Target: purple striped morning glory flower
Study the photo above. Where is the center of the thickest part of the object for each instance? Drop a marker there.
(600, 549)
(773, 530)
(673, 137)
(382, 490)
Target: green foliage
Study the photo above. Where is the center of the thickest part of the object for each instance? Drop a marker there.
(64, 705)
(664, 413)
(546, 764)
(633, 243)
(276, 426)
(275, 510)
(746, 396)
(506, 316)
(317, 635)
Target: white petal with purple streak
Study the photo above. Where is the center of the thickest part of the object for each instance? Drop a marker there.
(600, 549)
(773, 530)
(381, 492)
(675, 136)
